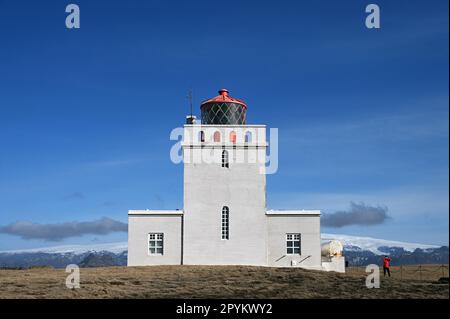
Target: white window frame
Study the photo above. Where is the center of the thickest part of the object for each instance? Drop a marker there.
(156, 242)
(225, 223)
(293, 244)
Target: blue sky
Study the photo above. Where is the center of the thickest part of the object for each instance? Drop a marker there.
(362, 114)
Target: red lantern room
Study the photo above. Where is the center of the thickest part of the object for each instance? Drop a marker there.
(224, 109)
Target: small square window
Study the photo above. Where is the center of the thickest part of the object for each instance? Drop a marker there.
(156, 243)
(293, 244)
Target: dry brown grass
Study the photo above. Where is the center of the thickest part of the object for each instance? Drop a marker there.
(209, 282)
(416, 273)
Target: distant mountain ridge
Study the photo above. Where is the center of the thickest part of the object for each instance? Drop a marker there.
(115, 248)
(373, 244)
(359, 251)
(362, 251)
(61, 260)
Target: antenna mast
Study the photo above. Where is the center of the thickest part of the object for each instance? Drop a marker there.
(190, 101)
(191, 118)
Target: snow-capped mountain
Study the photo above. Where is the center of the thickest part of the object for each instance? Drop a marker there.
(361, 251)
(115, 248)
(99, 255)
(355, 243)
(358, 251)
(350, 243)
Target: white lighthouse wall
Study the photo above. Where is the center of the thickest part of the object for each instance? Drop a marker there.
(208, 187)
(140, 225)
(308, 226)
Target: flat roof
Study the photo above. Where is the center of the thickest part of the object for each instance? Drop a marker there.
(155, 212)
(268, 212)
(293, 212)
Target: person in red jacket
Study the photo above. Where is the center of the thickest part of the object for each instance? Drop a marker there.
(386, 265)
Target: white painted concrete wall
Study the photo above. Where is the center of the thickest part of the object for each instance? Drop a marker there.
(141, 224)
(336, 264)
(308, 225)
(241, 187)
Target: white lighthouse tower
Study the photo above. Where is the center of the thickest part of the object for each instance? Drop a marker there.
(224, 186)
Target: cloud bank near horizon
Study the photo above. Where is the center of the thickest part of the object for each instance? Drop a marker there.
(358, 214)
(56, 232)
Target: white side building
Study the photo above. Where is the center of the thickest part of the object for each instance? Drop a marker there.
(225, 220)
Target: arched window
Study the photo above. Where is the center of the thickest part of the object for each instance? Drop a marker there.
(233, 137)
(225, 223)
(217, 136)
(225, 159)
(248, 137)
(201, 136)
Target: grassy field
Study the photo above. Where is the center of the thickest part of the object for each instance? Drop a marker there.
(416, 273)
(214, 282)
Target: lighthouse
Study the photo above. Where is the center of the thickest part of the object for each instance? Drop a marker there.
(224, 186)
(225, 219)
